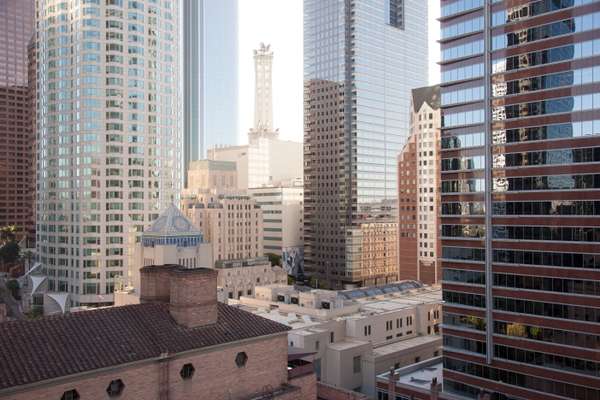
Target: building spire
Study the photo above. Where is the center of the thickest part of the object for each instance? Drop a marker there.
(263, 93)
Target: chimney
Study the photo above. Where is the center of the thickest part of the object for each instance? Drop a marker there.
(155, 284)
(435, 389)
(392, 383)
(193, 300)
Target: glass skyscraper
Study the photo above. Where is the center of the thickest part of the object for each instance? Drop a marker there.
(210, 69)
(520, 198)
(108, 135)
(362, 58)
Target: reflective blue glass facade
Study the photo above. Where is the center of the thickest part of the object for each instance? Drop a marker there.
(362, 58)
(520, 196)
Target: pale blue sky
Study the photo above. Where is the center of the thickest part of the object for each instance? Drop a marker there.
(279, 22)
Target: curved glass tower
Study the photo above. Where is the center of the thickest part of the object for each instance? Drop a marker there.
(108, 135)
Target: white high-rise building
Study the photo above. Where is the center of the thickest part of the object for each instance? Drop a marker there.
(109, 137)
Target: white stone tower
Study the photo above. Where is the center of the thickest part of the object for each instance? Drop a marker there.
(263, 95)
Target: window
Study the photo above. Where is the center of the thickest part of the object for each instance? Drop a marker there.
(187, 371)
(70, 395)
(356, 365)
(115, 388)
(331, 337)
(241, 359)
(317, 345)
(396, 13)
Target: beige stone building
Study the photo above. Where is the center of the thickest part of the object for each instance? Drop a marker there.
(240, 277)
(356, 334)
(179, 343)
(232, 224)
(212, 175)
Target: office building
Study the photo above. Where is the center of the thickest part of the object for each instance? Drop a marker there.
(520, 184)
(282, 208)
(207, 175)
(17, 95)
(232, 223)
(210, 71)
(179, 343)
(109, 141)
(361, 60)
(418, 190)
(354, 335)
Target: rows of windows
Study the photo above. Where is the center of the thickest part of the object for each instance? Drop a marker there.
(470, 117)
(550, 335)
(463, 253)
(460, 6)
(525, 381)
(463, 344)
(532, 9)
(463, 73)
(463, 231)
(557, 131)
(463, 208)
(547, 258)
(546, 360)
(472, 392)
(552, 310)
(542, 82)
(552, 157)
(463, 186)
(545, 107)
(464, 276)
(462, 27)
(551, 182)
(466, 299)
(569, 52)
(463, 163)
(554, 233)
(463, 50)
(464, 140)
(463, 95)
(575, 286)
(580, 23)
(545, 208)
(464, 321)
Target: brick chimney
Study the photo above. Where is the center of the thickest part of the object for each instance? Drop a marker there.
(155, 286)
(193, 300)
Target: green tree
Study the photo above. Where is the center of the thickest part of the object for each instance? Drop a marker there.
(274, 259)
(8, 234)
(9, 253)
(13, 287)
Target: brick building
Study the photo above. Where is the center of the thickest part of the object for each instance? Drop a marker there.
(16, 115)
(180, 343)
(418, 190)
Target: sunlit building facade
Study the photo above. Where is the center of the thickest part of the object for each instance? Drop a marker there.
(17, 102)
(361, 60)
(520, 198)
(109, 137)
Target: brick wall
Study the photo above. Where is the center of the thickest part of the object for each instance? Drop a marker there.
(216, 376)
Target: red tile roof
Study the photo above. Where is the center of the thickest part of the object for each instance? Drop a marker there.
(52, 347)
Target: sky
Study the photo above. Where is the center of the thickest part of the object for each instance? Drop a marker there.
(279, 23)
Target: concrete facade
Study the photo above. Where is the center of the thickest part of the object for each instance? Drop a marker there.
(355, 336)
(205, 175)
(282, 208)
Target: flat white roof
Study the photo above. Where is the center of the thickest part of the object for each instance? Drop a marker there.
(405, 344)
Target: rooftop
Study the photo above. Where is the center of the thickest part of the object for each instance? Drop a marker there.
(419, 375)
(406, 344)
(172, 222)
(57, 346)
